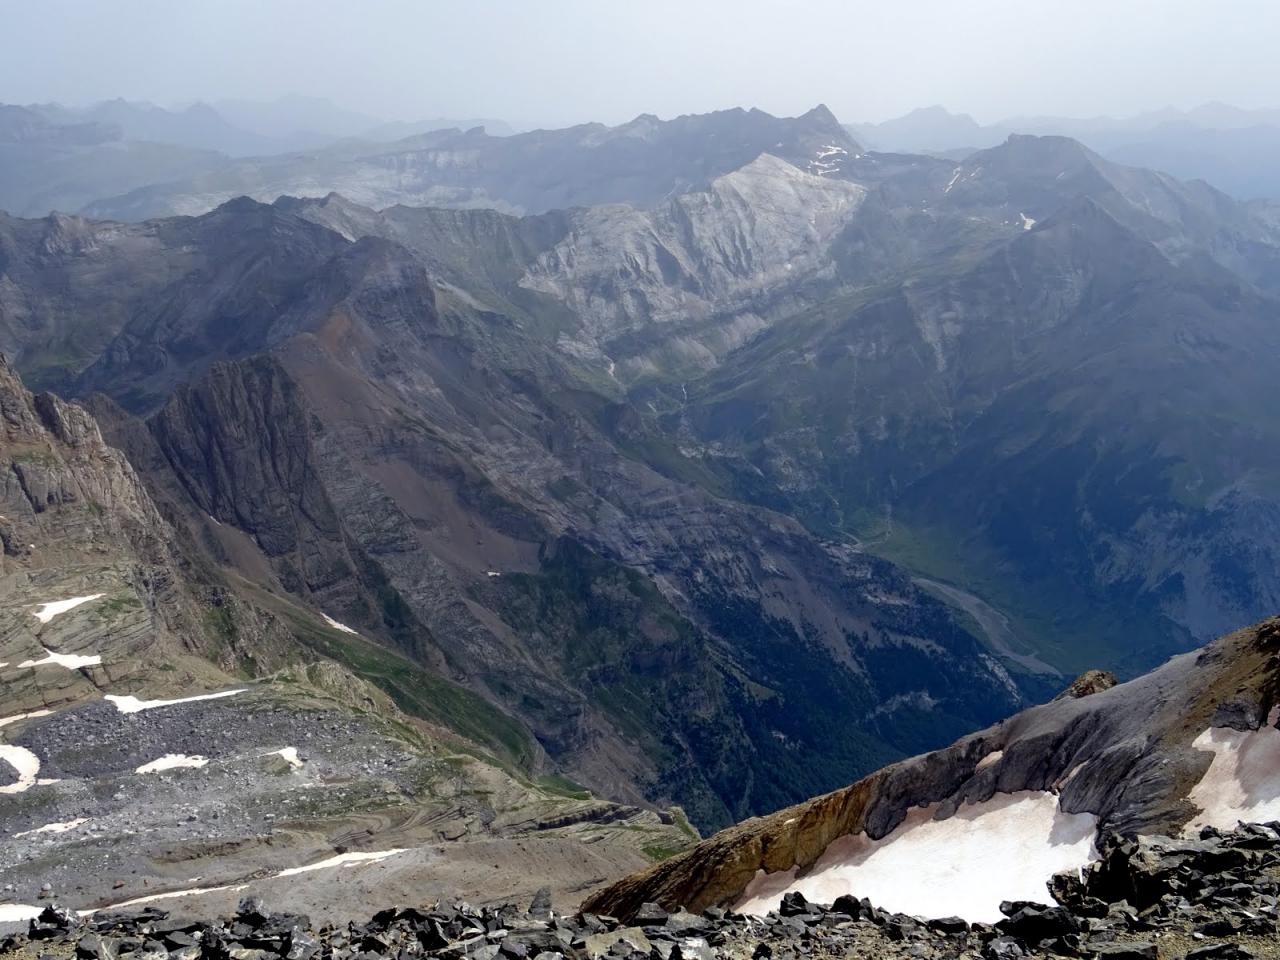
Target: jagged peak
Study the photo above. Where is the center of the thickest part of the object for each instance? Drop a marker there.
(241, 204)
(25, 416)
(821, 114)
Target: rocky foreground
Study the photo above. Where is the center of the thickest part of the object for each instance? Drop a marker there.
(1215, 897)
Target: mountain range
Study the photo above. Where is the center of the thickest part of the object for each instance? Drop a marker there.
(711, 463)
(1216, 142)
(54, 157)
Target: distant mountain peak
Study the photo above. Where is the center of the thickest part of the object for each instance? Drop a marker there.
(821, 113)
(937, 110)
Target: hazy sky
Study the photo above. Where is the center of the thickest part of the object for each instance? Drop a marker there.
(552, 61)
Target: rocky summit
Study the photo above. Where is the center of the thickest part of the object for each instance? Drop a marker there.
(1212, 897)
(991, 818)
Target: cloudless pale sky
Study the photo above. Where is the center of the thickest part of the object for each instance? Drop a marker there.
(558, 61)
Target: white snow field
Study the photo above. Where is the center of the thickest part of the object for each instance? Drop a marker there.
(71, 661)
(25, 762)
(50, 610)
(131, 704)
(1243, 779)
(172, 761)
(1005, 848)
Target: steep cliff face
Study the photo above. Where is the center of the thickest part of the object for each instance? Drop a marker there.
(1187, 745)
(240, 443)
(637, 293)
(89, 573)
(733, 252)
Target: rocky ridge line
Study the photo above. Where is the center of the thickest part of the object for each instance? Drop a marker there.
(1213, 897)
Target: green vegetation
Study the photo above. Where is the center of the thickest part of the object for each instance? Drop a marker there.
(562, 786)
(682, 822)
(414, 690)
(658, 852)
(113, 607)
(706, 714)
(1071, 631)
(422, 694)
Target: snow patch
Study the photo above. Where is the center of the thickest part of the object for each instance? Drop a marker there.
(50, 610)
(171, 895)
(990, 759)
(172, 761)
(71, 661)
(1243, 779)
(63, 827)
(955, 175)
(25, 762)
(338, 861)
(18, 912)
(131, 704)
(827, 159)
(342, 860)
(5, 721)
(290, 755)
(1027, 222)
(493, 573)
(336, 625)
(1005, 848)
